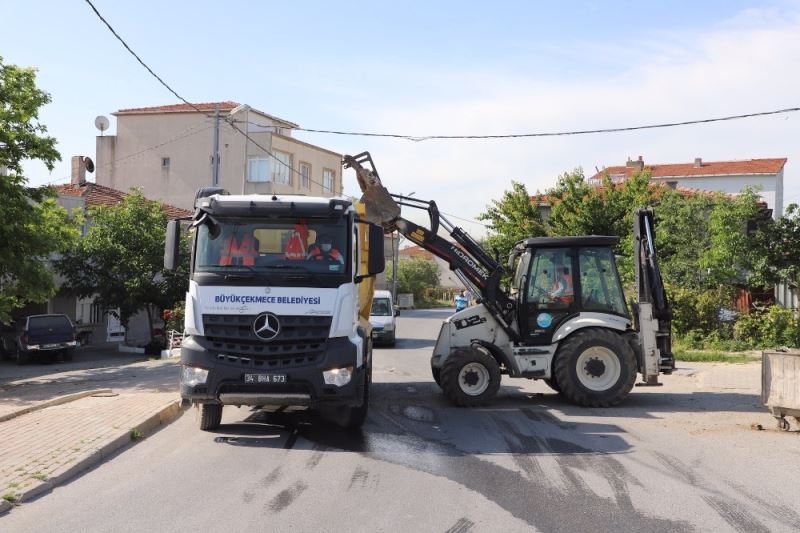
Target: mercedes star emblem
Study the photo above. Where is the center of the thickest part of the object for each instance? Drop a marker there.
(266, 326)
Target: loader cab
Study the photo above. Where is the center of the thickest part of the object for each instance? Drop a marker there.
(558, 278)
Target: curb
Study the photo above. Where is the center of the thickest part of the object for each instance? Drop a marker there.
(50, 403)
(163, 416)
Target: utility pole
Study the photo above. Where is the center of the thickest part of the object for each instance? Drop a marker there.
(395, 249)
(215, 150)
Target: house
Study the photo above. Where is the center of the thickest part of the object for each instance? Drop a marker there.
(90, 318)
(167, 150)
(720, 176)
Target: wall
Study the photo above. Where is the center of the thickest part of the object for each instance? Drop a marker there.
(771, 186)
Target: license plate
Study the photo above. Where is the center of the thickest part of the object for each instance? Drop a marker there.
(265, 378)
(48, 346)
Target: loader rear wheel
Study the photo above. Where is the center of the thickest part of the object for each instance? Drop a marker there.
(595, 368)
(470, 377)
(437, 375)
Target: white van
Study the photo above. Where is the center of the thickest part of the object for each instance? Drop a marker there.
(382, 317)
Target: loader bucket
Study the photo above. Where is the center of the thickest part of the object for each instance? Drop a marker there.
(381, 208)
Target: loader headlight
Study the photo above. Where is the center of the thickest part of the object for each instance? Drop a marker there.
(192, 375)
(338, 376)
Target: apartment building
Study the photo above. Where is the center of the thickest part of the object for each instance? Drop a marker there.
(167, 150)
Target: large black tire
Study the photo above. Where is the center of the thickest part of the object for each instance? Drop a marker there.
(393, 340)
(470, 377)
(69, 354)
(595, 368)
(210, 416)
(353, 417)
(437, 375)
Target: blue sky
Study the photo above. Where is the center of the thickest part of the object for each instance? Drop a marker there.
(436, 68)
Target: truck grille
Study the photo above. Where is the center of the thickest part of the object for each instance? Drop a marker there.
(302, 339)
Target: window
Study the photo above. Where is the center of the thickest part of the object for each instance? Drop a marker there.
(165, 162)
(328, 180)
(257, 169)
(305, 175)
(600, 286)
(282, 168)
(550, 285)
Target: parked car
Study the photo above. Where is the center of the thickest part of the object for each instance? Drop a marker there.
(382, 317)
(39, 336)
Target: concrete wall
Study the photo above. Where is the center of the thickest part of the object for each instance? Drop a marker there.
(133, 157)
(771, 186)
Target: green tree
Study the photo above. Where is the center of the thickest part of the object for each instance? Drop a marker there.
(733, 256)
(121, 260)
(512, 218)
(416, 274)
(780, 242)
(33, 226)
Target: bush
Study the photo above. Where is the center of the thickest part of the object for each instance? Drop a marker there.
(694, 310)
(767, 329)
(173, 318)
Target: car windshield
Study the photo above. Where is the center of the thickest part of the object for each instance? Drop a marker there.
(48, 322)
(313, 246)
(381, 307)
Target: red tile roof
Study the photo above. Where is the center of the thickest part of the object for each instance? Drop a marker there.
(96, 195)
(179, 108)
(706, 168)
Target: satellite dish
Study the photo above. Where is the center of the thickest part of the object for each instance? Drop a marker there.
(89, 164)
(101, 123)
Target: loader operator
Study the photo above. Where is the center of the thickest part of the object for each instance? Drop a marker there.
(562, 290)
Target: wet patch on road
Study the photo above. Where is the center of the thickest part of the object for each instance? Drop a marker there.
(463, 525)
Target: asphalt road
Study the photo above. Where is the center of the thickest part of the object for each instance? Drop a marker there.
(676, 458)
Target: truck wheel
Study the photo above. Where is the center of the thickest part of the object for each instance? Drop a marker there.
(210, 416)
(595, 368)
(470, 377)
(354, 417)
(437, 373)
(393, 340)
(68, 355)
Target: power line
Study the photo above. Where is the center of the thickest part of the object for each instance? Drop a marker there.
(420, 138)
(187, 102)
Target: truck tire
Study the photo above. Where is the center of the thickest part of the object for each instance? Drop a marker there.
(470, 377)
(595, 368)
(210, 416)
(69, 354)
(353, 417)
(393, 340)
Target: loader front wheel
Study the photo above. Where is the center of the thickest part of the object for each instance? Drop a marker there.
(595, 368)
(470, 377)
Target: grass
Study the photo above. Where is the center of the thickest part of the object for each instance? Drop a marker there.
(40, 476)
(10, 497)
(697, 356)
(136, 434)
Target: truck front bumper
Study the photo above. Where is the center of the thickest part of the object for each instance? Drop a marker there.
(227, 380)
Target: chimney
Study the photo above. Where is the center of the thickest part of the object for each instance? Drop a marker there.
(637, 165)
(698, 162)
(78, 175)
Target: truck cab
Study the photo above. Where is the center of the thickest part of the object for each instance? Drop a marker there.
(277, 308)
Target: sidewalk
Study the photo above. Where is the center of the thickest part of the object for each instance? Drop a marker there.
(57, 427)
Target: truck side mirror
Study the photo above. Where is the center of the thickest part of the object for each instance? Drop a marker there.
(171, 245)
(376, 262)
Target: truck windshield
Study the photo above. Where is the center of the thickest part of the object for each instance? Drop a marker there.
(237, 245)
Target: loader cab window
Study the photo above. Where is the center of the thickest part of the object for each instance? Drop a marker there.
(549, 293)
(601, 291)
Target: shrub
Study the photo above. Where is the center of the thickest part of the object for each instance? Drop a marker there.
(774, 327)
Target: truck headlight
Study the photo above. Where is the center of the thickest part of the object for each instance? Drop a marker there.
(338, 376)
(192, 375)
